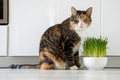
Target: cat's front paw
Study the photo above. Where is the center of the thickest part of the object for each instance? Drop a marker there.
(73, 68)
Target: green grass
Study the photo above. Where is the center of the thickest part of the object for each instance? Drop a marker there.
(95, 47)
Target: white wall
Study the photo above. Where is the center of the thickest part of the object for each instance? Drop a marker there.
(110, 25)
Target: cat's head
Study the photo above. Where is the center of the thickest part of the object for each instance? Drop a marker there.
(80, 20)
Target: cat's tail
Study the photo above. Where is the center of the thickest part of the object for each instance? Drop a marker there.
(25, 66)
(43, 65)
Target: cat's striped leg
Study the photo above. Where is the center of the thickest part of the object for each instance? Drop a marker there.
(70, 61)
(70, 56)
(76, 59)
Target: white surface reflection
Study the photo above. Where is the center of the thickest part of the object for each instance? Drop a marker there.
(27, 74)
(96, 75)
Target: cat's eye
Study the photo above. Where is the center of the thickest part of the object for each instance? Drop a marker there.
(86, 20)
(76, 21)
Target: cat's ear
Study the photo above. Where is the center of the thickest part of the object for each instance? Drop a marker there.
(73, 11)
(89, 11)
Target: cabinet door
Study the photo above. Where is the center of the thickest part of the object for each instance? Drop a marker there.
(110, 20)
(3, 40)
(30, 18)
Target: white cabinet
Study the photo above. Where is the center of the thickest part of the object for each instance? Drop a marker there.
(3, 40)
(110, 27)
(30, 18)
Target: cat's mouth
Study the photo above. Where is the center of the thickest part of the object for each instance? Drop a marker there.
(78, 27)
(81, 26)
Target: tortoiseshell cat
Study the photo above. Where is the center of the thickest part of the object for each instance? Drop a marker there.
(59, 45)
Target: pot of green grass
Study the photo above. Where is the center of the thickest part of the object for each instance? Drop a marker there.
(94, 51)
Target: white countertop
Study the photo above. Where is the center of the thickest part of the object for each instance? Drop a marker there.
(36, 74)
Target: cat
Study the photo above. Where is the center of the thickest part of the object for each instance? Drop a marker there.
(59, 45)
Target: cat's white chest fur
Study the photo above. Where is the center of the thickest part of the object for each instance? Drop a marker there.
(77, 46)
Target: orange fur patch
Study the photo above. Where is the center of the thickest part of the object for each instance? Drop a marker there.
(46, 66)
(72, 25)
(41, 56)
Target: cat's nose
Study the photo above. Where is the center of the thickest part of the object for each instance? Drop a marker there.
(81, 24)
